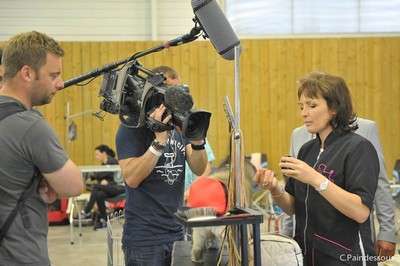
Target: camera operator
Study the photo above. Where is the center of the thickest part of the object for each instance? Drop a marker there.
(153, 165)
(172, 78)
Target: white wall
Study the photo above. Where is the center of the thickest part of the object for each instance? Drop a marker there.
(97, 20)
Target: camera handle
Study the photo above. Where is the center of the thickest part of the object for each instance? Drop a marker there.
(157, 126)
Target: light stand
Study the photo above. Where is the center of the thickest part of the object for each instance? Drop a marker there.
(73, 201)
(239, 233)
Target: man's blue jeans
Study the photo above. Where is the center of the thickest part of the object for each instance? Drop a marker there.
(159, 255)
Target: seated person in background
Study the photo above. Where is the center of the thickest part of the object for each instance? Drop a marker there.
(105, 187)
(106, 156)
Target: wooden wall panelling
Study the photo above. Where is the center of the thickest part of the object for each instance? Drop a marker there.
(213, 85)
(381, 83)
(90, 102)
(249, 86)
(388, 120)
(72, 95)
(360, 75)
(274, 115)
(348, 67)
(210, 98)
(263, 100)
(269, 70)
(391, 139)
(78, 107)
(100, 60)
(206, 86)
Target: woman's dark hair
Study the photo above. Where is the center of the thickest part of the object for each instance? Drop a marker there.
(337, 95)
(106, 149)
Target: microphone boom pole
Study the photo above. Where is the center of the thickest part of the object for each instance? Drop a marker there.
(193, 35)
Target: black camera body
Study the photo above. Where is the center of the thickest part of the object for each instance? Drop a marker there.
(129, 94)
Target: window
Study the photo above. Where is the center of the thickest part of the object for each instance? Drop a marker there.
(313, 16)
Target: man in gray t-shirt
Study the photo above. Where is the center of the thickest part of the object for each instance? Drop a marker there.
(32, 69)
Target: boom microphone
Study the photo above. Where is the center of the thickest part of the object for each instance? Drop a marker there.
(176, 98)
(217, 27)
(194, 124)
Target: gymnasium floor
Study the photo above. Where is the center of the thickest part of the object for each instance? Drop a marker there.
(91, 248)
(88, 249)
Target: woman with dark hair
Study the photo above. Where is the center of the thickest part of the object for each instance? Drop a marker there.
(106, 186)
(106, 156)
(331, 185)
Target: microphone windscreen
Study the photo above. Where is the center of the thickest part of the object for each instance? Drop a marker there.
(175, 97)
(217, 27)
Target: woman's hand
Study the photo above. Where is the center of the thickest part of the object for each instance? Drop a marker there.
(301, 171)
(265, 179)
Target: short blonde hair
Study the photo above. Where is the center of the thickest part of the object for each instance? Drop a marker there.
(29, 48)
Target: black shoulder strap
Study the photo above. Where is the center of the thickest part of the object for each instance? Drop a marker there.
(28, 191)
(7, 109)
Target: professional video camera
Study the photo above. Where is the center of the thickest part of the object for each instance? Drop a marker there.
(129, 94)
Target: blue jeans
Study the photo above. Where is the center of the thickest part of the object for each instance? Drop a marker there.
(159, 255)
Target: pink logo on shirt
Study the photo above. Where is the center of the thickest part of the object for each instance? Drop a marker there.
(322, 169)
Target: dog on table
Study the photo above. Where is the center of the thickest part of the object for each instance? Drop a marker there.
(206, 239)
(209, 238)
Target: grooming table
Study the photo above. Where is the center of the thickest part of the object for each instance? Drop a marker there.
(240, 219)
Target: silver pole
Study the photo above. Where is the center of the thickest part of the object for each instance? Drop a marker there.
(67, 117)
(237, 135)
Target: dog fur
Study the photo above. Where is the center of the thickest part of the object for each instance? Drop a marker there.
(205, 238)
(209, 238)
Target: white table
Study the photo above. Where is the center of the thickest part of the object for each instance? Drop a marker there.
(99, 168)
(72, 202)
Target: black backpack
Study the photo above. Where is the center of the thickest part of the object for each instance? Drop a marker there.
(7, 109)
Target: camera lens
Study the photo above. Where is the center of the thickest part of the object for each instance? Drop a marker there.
(196, 125)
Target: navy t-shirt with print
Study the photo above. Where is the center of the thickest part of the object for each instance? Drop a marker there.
(149, 207)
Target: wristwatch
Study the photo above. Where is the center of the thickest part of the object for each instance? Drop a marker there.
(323, 186)
(157, 145)
(199, 147)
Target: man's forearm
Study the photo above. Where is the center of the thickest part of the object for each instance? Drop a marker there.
(197, 160)
(135, 170)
